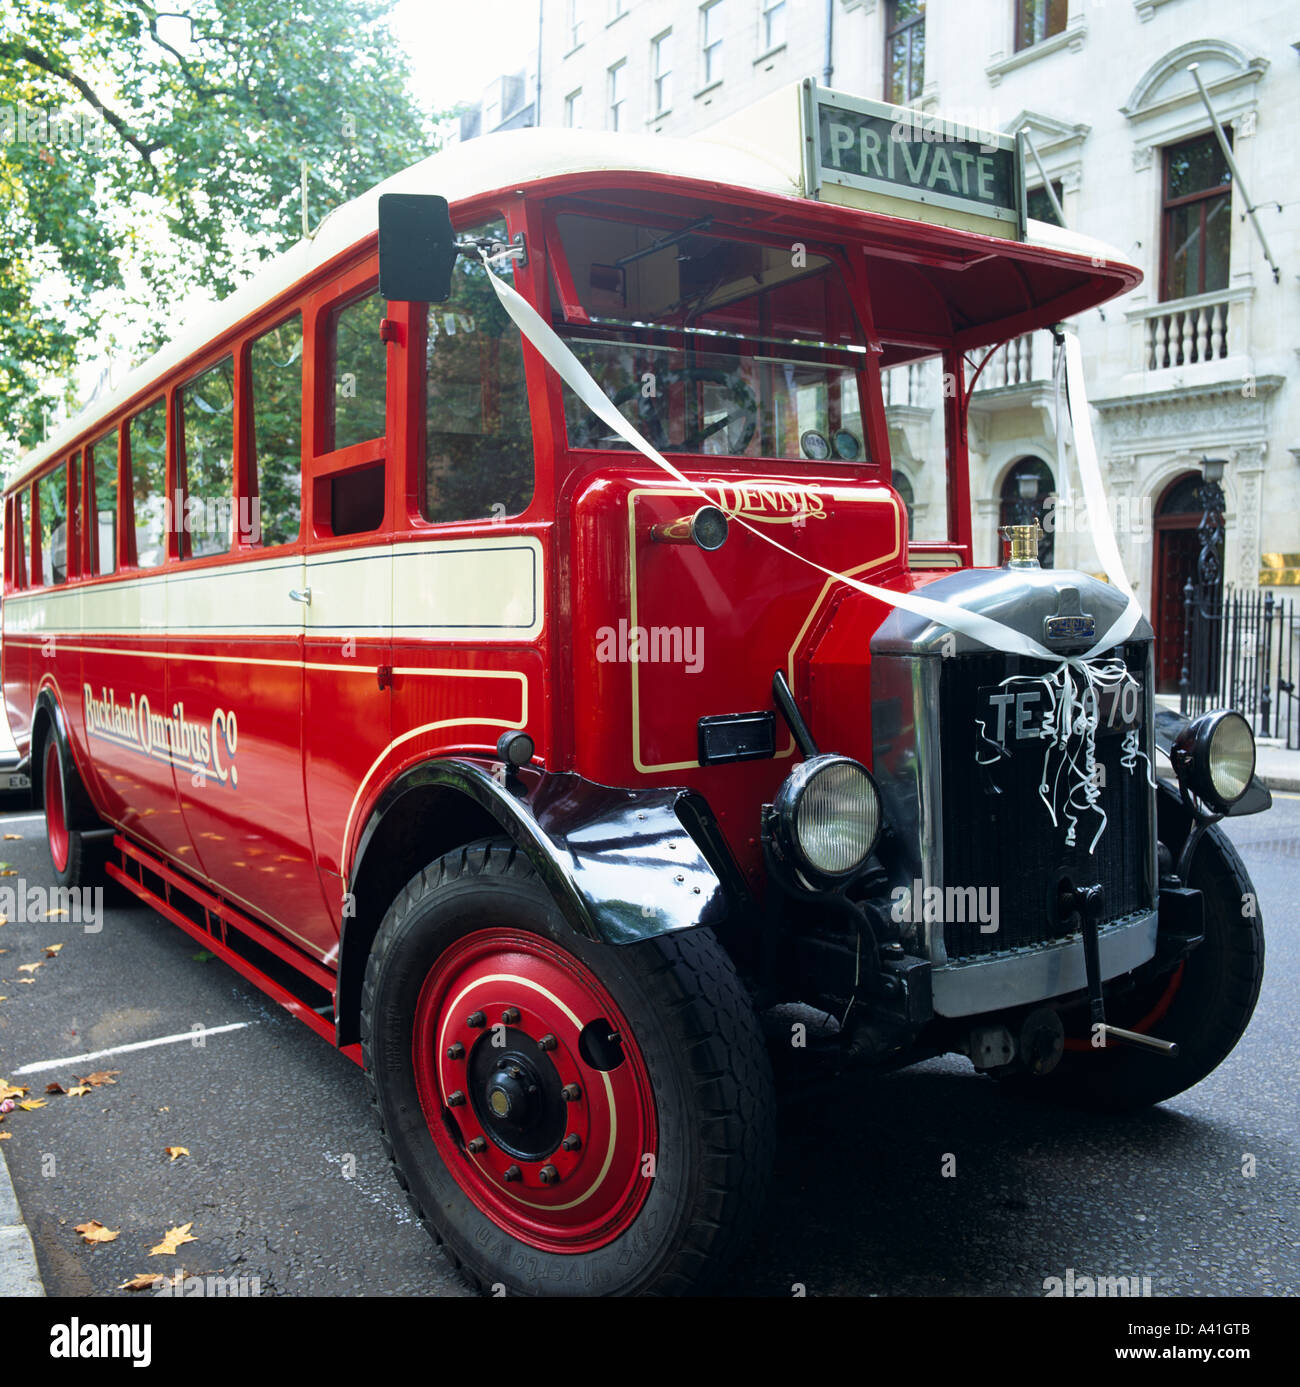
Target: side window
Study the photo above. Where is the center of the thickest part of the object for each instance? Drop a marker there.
(205, 430)
(22, 538)
(147, 435)
(52, 491)
(359, 359)
(103, 533)
(479, 439)
(275, 366)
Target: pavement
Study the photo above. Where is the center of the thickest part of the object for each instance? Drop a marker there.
(19, 1275)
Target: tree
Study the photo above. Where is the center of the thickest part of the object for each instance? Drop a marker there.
(145, 153)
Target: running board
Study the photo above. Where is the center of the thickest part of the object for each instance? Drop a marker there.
(220, 917)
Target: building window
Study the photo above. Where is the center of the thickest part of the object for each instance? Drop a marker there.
(904, 51)
(573, 109)
(1197, 218)
(662, 66)
(1029, 497)
(573, 24)
(773, 24)
(617, 9)
(1039, 205)
(711, 41)
(1037, 20)
(617, 94)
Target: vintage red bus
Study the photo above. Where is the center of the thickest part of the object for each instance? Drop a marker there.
(533, 746)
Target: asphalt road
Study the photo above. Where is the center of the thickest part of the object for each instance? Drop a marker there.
(285, 1180)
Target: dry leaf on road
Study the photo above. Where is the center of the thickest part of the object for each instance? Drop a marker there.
(142, 1281)
(172, 1241)
(13, 837)
(95, 1232)
(100, 1076)
(30, 967)
(52, 949)
(32, 1104)
(175, 1152)
(77, 1090)
(55, 1088)
(8, 1090)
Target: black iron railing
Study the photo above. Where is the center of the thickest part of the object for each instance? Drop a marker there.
(1240, 651)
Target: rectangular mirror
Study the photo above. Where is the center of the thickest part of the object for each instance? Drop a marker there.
(417, 248)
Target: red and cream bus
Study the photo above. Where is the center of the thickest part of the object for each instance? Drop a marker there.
(526, 675)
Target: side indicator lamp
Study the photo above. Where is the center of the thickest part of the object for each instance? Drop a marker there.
(707, 529)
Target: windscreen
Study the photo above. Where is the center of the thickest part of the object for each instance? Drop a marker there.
(707, 343)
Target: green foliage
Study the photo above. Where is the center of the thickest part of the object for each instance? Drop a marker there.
(192, 171)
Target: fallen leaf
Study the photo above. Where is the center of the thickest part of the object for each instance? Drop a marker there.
(95, 1232)
(4, 1136)
(53, 914)
(100, 1076)
(52, 949)
(142, 1281)
(8, 1090)
(13, 837)
(172, 1241)
(30, 967)
(77, 1090)
(55, 1088)
(175, 1152)
(28, 981)
(32, 1104)
(8, 871)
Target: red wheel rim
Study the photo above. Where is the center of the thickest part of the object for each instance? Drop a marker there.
(56, 823)
(567, 1178)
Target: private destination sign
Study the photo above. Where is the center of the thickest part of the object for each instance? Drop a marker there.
(891, 150)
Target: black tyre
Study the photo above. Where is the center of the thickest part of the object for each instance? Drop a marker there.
(566, 1117)
(1204, 1004)
(77, 854)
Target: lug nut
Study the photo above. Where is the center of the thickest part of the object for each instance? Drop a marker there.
(513, 1174)
(547, 1042)
(515, 1072)
(570, 1093)
(477, 1145)
(572, 1142)
(549, 1175)
(510, 1015)
(456, 1051)
(455, 1100)
(476, 1019)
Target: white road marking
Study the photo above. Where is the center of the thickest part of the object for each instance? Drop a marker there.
(41, 1065)
(22, 818)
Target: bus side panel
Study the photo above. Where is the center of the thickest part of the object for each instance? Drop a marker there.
(235, 671)
(130, 728)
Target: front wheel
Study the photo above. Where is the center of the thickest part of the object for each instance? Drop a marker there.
(567, 1117)
(1204, 1004)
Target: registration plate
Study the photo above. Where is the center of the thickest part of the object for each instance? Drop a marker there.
(15, 781)
(1016, 715)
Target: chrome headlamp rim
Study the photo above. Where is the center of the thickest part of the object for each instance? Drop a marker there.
(1192, 757)
(785, 810)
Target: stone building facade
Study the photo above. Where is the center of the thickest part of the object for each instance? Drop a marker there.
(1199, 361)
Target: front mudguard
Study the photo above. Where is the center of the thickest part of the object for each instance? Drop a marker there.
(621, 864)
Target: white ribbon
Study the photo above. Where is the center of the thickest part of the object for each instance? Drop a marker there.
(987, 631)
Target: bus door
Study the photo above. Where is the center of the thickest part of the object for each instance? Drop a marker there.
(348, 581)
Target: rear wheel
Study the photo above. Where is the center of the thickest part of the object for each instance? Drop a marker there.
(1204, 1004)
(77, 859)
(567, 1117)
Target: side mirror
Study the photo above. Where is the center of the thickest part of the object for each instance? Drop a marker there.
(417, 248)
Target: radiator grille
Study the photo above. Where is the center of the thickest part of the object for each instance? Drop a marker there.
(997, 831)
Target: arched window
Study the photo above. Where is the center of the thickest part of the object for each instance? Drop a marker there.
(904, 489)
(1025, 492)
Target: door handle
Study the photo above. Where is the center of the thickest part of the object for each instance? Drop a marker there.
(302, 595)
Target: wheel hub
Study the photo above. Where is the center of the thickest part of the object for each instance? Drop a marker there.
(548, 1136)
